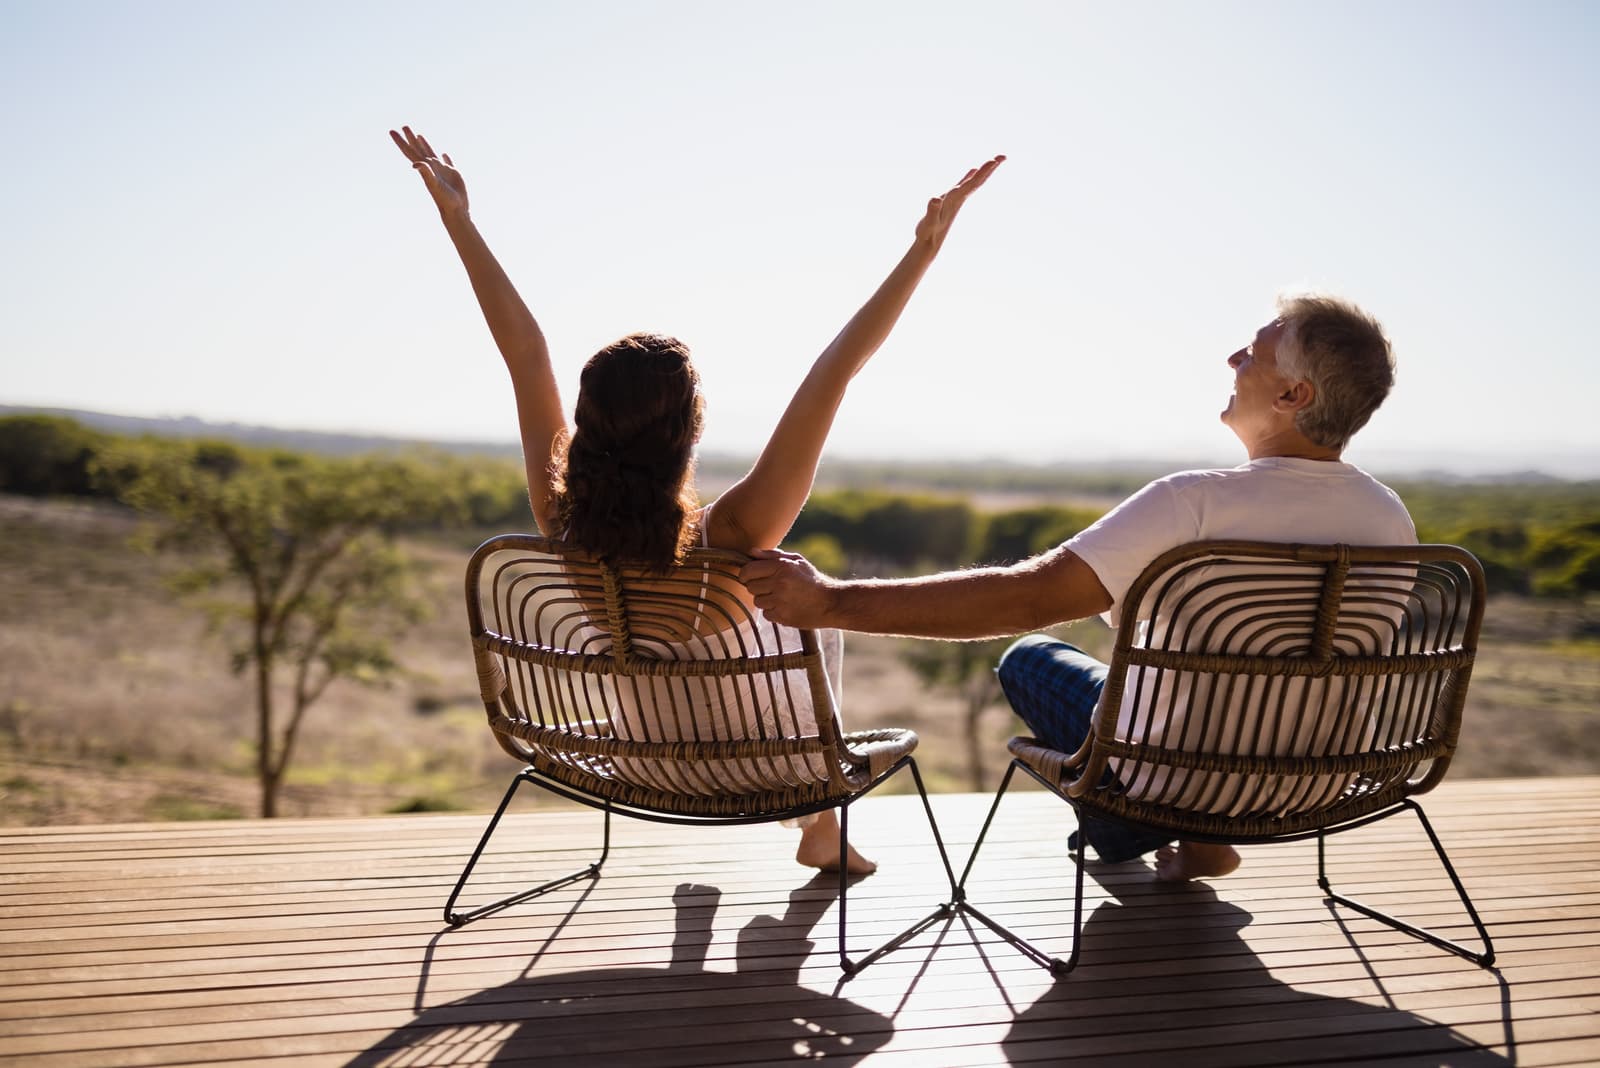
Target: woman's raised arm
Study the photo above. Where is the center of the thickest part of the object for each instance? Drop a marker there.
(758, 511)
(539, 413)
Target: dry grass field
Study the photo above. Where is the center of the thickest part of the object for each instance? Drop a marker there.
(116, 703)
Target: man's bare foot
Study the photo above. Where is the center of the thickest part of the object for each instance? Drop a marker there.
(819, 848)
(1195, 860)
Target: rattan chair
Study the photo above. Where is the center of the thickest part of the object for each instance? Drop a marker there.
(1273, 693)
(665, 698)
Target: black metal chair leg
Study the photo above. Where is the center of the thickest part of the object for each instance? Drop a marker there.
(1054, 965)
(1483, 959)
(943, 912)
(994, 806)
(933, 825)
(456, 919)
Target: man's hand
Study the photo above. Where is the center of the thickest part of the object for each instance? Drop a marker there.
(789, 590)
(444, 182)
(942, 211)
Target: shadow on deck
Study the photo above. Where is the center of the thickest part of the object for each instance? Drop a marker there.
(320, 942)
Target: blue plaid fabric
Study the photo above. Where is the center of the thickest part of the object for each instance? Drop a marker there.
(1053, 687)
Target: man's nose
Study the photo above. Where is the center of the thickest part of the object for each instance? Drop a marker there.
(1236, 359)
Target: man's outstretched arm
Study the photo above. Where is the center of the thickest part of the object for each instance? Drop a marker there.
(987, 602)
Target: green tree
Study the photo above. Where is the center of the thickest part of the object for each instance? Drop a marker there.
(896, 530)
(1567, 561)
(1023, 532)
(294, 557)
(823, 552)
(1501, 546)
(47, 455)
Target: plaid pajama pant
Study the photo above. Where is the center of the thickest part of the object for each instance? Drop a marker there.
(1053, 688)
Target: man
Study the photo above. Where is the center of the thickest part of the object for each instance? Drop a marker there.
(1307, 382)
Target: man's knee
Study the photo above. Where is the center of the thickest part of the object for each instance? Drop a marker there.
(1024, 654)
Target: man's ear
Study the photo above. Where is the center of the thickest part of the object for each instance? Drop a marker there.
(1295, 398)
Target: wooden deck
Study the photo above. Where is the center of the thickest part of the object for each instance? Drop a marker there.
(320, 942)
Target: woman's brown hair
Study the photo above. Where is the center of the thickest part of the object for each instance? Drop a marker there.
(622, 484)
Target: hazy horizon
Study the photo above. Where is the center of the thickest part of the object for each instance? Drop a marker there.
(1569, 467)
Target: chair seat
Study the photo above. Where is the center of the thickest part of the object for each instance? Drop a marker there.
(876, 751)
(1363, 796)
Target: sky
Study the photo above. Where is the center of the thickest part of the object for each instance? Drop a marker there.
(204, 215)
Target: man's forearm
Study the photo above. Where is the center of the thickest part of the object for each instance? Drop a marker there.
(986, 602)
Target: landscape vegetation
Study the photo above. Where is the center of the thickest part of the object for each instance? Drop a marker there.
(196, 627)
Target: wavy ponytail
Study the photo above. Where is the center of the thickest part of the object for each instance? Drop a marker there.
(623, 483)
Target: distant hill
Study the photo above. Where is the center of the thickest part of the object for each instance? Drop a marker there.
(934, 475)
(317, 441)
(1111, 476)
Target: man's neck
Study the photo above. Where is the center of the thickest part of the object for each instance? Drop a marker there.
(1293, 445)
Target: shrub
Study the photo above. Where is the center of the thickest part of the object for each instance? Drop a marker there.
(47, 456)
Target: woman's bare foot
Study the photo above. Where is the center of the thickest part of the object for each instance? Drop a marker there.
(1195, 860)
(819, 847)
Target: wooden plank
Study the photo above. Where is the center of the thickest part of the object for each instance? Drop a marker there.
(213, 943)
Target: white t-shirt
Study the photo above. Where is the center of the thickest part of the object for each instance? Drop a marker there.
(1280, 499)
(669, 709)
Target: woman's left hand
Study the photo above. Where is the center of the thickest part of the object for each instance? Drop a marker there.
(942, 210)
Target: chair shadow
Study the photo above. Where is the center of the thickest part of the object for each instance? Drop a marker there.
(1222, 996)
(676, 1013)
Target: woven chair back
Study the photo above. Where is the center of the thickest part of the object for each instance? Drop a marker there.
(663, 692)
(1264, 689)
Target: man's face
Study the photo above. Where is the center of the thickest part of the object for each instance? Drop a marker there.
(1257, 383)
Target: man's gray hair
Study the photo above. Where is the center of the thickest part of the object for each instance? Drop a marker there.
(1342, 352)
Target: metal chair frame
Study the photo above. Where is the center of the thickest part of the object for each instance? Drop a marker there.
(1407, 696)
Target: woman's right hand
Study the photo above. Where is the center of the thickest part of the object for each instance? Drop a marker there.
(516, 332)
(758, 510)
(444, 182)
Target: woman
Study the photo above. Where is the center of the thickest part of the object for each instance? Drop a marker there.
(620, 484)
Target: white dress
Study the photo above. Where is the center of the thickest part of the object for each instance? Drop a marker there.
(669, 709)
